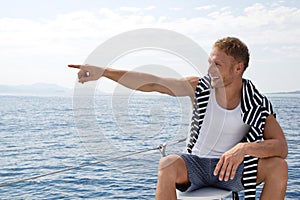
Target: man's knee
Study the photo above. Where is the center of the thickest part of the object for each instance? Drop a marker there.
(173, 167)
(277, 165)
(272, 168)
(170, 161)
(281, 168)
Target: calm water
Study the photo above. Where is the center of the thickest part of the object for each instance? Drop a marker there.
(39, 135)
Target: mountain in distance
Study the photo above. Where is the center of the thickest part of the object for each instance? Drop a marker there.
(46, 89)
(37, 89)
(297, 92)
(292, 92)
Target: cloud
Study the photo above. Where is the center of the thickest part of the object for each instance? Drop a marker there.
(130, 9)
(150, 8)
(205, 8)
(260, 23)
(72, 36)
(175, 9)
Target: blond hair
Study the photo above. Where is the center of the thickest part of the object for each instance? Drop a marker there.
(234, 47)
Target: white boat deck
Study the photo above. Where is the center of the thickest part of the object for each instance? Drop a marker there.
(204, 193)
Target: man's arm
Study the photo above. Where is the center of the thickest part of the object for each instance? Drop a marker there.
(274, 145)
(140, 81)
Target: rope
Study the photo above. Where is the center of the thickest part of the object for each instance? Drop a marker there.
(159, 147)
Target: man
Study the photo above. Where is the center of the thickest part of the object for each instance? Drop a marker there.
(235, 141)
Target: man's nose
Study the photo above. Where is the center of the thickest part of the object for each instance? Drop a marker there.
(212, 68)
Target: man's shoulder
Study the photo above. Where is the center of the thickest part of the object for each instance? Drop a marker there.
(251, 90)
(253, 98)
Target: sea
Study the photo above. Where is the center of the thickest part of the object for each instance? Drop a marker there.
(105, 146)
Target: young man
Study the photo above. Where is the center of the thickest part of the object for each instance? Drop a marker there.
(235, 141)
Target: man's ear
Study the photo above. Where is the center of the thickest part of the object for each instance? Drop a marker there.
(239, 67)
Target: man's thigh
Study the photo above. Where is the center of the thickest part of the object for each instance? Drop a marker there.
(201, 174)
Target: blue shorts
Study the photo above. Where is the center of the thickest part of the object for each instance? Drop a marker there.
(200, 173)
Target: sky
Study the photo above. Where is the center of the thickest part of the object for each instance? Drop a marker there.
(39, 38)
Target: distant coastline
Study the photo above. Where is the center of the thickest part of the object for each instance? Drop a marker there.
(292, 92)
(284, 94)
(37, 89)
(45, 89)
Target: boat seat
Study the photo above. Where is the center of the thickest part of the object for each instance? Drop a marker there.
(207, 193)
(203, 193)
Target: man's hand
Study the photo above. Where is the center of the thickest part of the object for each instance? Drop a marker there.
(229, 162)
(88, 72)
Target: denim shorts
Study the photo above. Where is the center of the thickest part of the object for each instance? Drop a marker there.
(200, 173)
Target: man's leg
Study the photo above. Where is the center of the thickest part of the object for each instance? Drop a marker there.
(172, 169)
(274, 172)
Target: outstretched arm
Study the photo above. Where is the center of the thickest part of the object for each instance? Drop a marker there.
(140, 81)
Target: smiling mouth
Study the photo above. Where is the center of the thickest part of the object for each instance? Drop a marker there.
(214, 77)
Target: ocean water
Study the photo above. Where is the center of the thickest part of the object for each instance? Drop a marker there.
(40, 135)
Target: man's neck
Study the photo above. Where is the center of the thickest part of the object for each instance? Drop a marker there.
(229, 97)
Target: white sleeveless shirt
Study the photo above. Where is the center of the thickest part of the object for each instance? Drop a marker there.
(221, 130)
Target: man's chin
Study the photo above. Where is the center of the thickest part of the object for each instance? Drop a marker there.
(216, 84)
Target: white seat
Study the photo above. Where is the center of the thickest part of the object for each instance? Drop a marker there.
(203, 193)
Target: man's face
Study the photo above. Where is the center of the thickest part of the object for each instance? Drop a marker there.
(221, 68)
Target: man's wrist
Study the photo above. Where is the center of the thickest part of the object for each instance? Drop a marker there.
(244, 147)
(105, 72)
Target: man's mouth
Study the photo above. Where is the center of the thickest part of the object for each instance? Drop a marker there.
(214, 77)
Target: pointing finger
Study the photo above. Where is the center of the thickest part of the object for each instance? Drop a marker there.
(74, 66)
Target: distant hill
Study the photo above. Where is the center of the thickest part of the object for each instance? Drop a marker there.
(283, 93)
(37, 89)
(45, 89)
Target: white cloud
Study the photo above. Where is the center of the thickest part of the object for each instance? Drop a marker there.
(284, 52)
(175, 9)
(260, 24)
(130, 9)
(150, 8)
(205, 8)
(70, 37)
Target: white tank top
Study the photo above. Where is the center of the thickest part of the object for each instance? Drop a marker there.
(221, 130)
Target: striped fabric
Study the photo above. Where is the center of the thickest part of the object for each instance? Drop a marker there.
(255, 109)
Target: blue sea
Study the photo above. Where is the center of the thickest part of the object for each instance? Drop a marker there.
(41, 135)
